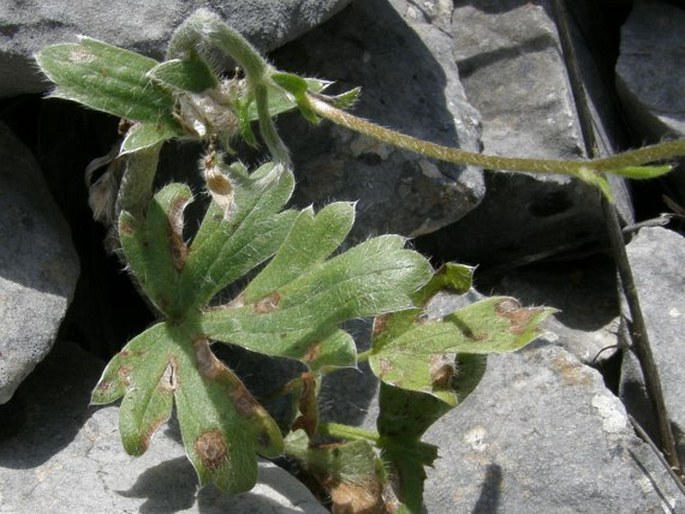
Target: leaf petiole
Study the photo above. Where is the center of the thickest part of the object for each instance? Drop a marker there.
(348, 432)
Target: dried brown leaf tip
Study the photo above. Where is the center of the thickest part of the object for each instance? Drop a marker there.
(518, 316)
(442, 371)
(179, 250)
(218, 183)
(379, 324)
(309, 412)
(364, 497)
(312, 353)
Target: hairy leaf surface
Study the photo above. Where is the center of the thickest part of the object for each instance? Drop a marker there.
(292, 308)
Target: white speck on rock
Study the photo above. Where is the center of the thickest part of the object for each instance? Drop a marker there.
(614, 419)
(429, 169)
(476, 438)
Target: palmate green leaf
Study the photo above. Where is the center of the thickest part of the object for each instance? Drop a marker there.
(222, 425)
(428, 366)
(108, 79)
(328, 228)
(298, 318)
(292, 308)
(413, 359)
(228, 245)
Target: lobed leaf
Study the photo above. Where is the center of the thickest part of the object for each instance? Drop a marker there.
(154, 247)
(143, 373)
(413, 359)
(327, 229)
(374, 277)
(222, 433)
(225, 248)
(427, 367)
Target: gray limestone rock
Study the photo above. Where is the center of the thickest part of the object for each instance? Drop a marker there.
(657, 257)
(512, 67)
(27, 26)
(402, 60)
(649, 74)
(58, 455)
(38, 265)
(541, 433)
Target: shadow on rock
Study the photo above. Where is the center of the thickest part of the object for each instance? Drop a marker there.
(49, 408)
(168, 487)
(488, 501)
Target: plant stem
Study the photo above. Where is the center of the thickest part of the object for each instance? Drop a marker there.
(364, 356)
(267, 128)
(203, 30)
(576, 168)
(348, 432)
(640, 339)
(638, 329)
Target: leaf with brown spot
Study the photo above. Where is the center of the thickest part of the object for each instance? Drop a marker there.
(239, 426)
(268, 304)
(377, 276)
(494, 325)
(211, 449)
(222, 425)
(109, 79)
(155, 249)
(350, 472)
(308, 407)
(147, 390)
(426, 367)
(292, 308)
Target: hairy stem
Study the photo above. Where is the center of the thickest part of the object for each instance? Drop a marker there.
(267, 128)
(348, 432)
(576, 168)
(205, 30)
(638, 329)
